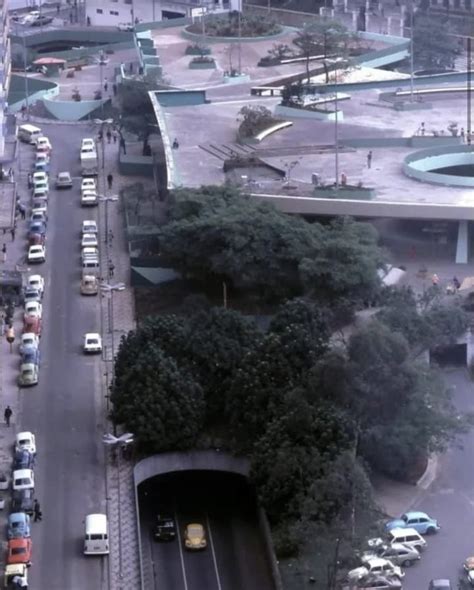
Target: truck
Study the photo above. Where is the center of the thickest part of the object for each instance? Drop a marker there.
(89, 165)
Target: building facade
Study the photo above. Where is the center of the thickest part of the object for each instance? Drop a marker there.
(5, 74)
(124, 12)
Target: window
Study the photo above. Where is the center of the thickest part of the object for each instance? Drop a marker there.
(114, 12)
(100, 11)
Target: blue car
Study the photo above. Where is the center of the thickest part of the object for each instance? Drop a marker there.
(23, 460)
(30, 355)
(18, 525)
(420, 521)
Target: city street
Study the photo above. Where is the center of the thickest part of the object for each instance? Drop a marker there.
(451, 500)
(65, 409)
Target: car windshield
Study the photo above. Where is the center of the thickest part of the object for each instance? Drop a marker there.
(18, 550)
(92, 341)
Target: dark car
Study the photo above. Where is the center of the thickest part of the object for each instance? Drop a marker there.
(22, 501)
(37, 227)
(23, 459)
(31, 294)
(42, 20)
(440, 584)
(165, 529)
(30, 355)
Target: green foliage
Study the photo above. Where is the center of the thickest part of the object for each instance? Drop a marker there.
(254, 119)
(434, 46)
(137, 115)
(251, 25)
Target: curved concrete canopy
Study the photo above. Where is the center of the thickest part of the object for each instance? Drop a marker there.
(189, 461)
(422, 165)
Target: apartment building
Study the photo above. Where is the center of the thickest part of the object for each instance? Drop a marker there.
(5, 74)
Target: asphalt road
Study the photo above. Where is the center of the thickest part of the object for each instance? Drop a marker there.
(451, 500)
(64, 408)
(234, 558)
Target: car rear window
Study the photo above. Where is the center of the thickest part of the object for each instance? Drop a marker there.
(18, 550)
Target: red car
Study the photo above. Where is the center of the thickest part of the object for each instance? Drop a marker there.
(32, 324)
(19, 551)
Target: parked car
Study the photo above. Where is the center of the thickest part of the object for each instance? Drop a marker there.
(33, 309)
(37, 228)
(408, 537)
(33, 325)
(19, 551)
(26, 440)
(43, 142)
(40, 186)
(30, 17)
(379, 583)
(23, 460)
(29, 341)
(18, 525)
(31, 356)
(41, 165)
(29, 375)
(63, 180)
(39, 217)
(89, 226)
(440, 584)
(89, 241)
(397, 553)
(194, 537)
(89, 285)
(36, 254)
(23, 501)
(165, 528)
(376, 566)
(42, 157)
(88, 184)
(31, 294)
(23, 479)
(89, 198)
(40, 206)
(39, 177)
(37, 282)
(127, 27)
(92, 343)
(419, 521)
(88, 253)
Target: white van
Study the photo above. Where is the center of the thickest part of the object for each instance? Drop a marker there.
(409, 537)
(96, 540)
(29, 133)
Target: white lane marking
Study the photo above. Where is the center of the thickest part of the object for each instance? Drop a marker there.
(214, 559)
(180, 544)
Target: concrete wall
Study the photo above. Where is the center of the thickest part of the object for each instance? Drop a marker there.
(292, 113)
(37, 90)
(70, 110)
(415, 141)
(136, 165)
(172, 175)
(76, 35)
(418, 165)
(180, 98)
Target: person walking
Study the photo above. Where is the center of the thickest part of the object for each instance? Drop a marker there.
(106, 84)
(369, 159)
(435, 280)
(114, 88)
(114, 135)
(7, 415)
(122, 145)
(109, 135)
(37, 511)
(4, 253)
(110, 180)
(111, 269)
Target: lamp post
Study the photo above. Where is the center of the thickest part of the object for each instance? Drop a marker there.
(106, 200)
(108, 291)
(121, 443)
(102, 123)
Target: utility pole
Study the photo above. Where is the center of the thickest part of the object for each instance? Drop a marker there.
(412, 61)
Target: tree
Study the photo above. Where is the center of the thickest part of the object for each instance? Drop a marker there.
(137, 115)
(254, 119)
(159, 402)
(434, 46)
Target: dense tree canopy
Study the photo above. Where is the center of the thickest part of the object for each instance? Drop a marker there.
(434, 45)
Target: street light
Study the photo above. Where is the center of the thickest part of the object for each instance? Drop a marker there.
(106, 199)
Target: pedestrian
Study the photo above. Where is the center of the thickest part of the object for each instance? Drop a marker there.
(22, 210)
(422, 129)
(435, 280)
(30, 180)
(131, 68)
(111, 269)
(110, 180)
(114, 88)
(109, 135)
(122, 145)
(106, 85)
(70, 17)
(88, 21)
(4, 253)
(110, 236)
(456, 283)
(23, 111)
(175, 143)
(462, 133)
(114, 135)
(12, 231)
(369, 159)
(7, 414)
(37, 511)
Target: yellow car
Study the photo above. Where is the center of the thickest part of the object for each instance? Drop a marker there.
(194, 537)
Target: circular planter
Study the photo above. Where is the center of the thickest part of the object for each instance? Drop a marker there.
(202, 65)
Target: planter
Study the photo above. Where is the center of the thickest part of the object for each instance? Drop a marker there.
(243, 78)
(344, 192)
(192, 50)
(296, 113)
(202, 65)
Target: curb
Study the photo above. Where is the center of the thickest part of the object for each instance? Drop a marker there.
(430, 473)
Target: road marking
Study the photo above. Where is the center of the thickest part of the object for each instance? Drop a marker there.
(180, 544)
(214, 559)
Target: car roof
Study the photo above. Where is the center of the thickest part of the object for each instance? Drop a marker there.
(378, 561)
(17, 517)
(404, 531)
(92, 335)
(416, 514)
(35, 278)
(24, 434)
(18, 473)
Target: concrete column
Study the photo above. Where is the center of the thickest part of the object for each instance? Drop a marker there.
(367, 19)
(345, 5)
(389, 25)
(331, 12)
(462, 246)
(354, 19)
(402, 26)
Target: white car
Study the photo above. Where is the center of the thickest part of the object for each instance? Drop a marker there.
(23, 479)
(88, 144)
(89, 241)
(63, 180)
(39, 216)
(33, 309)
(92, 343)
(377, 566)
(28, 341)
(44, 145)
(37, 282)
(127, 27)
(39, 177)
(40, 189)
(89, 198)
(88, 184)
(36, 253)
(29, 374)
(89, 253)
(40, 206)
(25, 441)
(89, 226)
(42, 157)
(30, 17)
